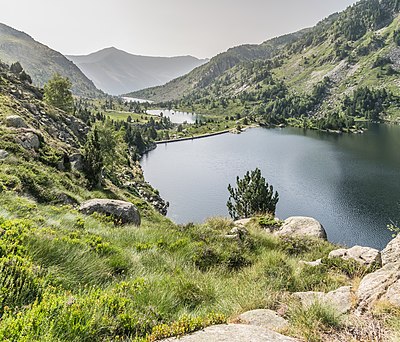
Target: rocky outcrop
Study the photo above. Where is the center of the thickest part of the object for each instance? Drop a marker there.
(340, 299)
(121, 211)
(234, 333)
(264, 318)
(302, 226)
(392, 252)
(383, 284)
(363, 255)
(15, 121)
(3, 154)
(29, 141)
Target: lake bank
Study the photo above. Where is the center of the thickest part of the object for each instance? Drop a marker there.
(348, 182)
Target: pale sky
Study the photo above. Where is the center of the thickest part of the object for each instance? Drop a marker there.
(201, 28)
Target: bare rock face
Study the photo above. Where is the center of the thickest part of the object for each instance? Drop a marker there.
(15, 121)
(363, 255)
(264, 318)
(340, 299)
(392, 252)
(383, 284)
(30, 141)
(234, 333)
(302, 226)
(123, 211)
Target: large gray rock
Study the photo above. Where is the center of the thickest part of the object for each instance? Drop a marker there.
(363, 255)
(3, 154)
(302, 226)
(30, 141)
(122, 211)
(392, 252)
(383, 284)
(15, 121)
(233, 333)
(340, 299)
(264, 318)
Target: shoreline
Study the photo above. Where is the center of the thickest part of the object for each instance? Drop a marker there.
(206, 135)
(192, 137)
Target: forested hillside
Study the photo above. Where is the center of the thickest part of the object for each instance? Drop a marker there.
(345, 67)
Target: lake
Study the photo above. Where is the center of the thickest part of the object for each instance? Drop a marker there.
(349, 182)
(176, 116)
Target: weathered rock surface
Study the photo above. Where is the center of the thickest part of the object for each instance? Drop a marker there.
(302, 226)
(234, 333)
(30, 141)
(123, 211)
(392, 252)
(363, 255)
(242, 223)
(15, 121)
(264, 318)
(383, 284)
(312, 263)
(76, 161)
(340, 299)
(3, 154)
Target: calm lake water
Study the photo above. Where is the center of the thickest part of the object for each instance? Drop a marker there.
(350, 183)
(176, 117)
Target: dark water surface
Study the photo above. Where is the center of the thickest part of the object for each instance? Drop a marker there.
(350, 183)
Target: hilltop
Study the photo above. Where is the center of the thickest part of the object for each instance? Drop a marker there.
(116, 72)
(41, 62)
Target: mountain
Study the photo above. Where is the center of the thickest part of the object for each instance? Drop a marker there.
(41, 62)
(348, 65)
(207, 73)
(117, 72)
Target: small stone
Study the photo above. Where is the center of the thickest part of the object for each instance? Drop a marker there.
(312, 263)
(3, 154)
(363, 255)
(264, 318)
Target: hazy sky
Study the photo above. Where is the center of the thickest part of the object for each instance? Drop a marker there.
(201, 28)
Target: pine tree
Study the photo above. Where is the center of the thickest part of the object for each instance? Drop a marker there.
(93, 158)
(252, 196)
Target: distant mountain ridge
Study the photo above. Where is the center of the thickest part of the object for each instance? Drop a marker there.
(206, 74)
(117, 72)
(41, 62)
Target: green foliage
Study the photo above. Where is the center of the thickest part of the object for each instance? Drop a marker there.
(93, 158)
(252, 196)
(311, 321)
(57, 92)
(185, 326)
